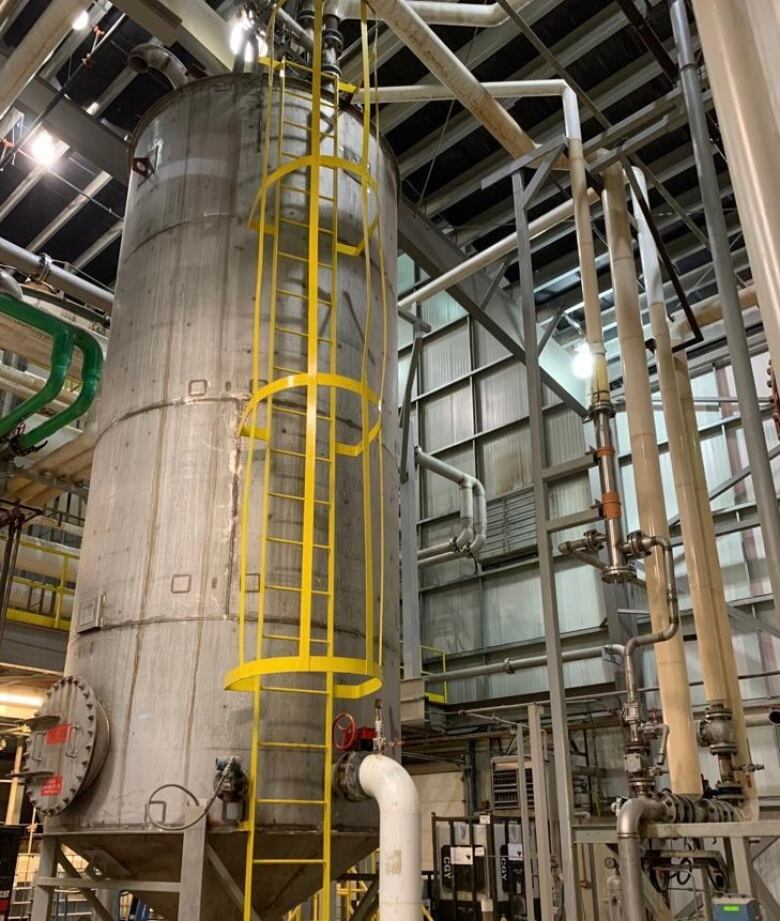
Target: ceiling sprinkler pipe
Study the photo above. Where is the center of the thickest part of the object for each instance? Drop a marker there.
(151, 56)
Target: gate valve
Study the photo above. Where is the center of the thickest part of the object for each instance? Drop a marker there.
(348, 736)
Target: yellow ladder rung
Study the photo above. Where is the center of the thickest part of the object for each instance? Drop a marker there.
(286, 453)
(283, 588)
(294, 188)
(297, 745)
(289, 411)
(292, 332)
(284, 495)
(278, 690)
(302, 297)
(289, 638)
(287, 370)
(295, 543)
(289, 220)
(304, 259)
(291, 802)
(289, 860)
(286, 121)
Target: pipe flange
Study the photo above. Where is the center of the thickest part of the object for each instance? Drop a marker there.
(346, 776)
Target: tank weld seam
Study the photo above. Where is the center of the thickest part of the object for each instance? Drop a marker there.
(168, 404)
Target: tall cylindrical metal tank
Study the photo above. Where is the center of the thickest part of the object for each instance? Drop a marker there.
(155, 624)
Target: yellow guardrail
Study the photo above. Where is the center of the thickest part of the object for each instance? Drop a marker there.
(438, 697)
(55, 593)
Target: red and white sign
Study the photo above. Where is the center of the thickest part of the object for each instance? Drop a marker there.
(58, 735)
(53, 786)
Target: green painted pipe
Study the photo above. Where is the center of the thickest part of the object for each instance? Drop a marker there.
(90, 378)
(63, 337)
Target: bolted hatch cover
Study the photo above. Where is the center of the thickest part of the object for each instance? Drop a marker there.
(67, 746)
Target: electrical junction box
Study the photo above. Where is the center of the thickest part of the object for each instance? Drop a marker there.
(735, 908)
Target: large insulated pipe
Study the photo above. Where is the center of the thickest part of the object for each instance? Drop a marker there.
(709, 311)
(31, 53)
(510, 666)
(441, 12)
(670, 656)
(152, 56)
(752, 423)
(451, 71)
(705, 582)
(740, 42)
(732, 693)
(42, 269)
(386, 781)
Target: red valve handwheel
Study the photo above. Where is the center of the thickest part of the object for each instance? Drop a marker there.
(344, 732)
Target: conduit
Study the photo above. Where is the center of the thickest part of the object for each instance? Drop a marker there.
(473, 513)
(41, 269)
(670, 656)
(705, 582)
(443, 13)
(31, 53)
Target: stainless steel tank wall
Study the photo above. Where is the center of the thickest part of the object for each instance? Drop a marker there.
(155, 625)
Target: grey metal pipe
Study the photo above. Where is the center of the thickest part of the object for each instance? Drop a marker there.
(9, 285)
(442, 13)
(510, 666)
(42, 269)
(630, 818)
(151, 56)
(752, 423)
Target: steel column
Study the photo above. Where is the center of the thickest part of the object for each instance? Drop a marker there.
(560, 730)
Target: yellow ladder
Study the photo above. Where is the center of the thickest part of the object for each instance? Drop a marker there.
(298, 401)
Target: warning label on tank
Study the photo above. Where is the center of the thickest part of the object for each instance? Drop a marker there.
(58, 735)
(53, 786)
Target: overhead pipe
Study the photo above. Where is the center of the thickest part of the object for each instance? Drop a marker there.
(739, 354)
(670, 656)
(705, 581)
(9, 285)
(440, 12)
(153, 56)
(31, 53)
(41, 269)
(509, 666)
(710, 311)
(740, 42)
(360, 776)
(473, 513)
(423, 42)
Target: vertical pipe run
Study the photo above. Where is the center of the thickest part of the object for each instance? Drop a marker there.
(752, 424)
(705, 581)
(670, 656)
(740, 42)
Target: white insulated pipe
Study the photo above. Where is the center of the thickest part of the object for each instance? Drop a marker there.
(31, 53)
(440, 12)
(705, 582)
(387, 782)
(423, 42)
(740, 39)
(710, 311)
(670, 655)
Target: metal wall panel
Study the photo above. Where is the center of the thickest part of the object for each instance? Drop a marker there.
(447, 418)
(513, 603)
(505, 460)
(450, 618)
(502, 396)
(446, 357)
(440, 309)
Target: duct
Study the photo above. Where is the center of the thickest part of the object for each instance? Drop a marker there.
(510, 666)
(670, 656)
(752, 423)
(9, 285)
(375, 776)
(41, 269)
(152, 56)
(450, 70)
(473, 525)
(439, 12)
(740, 42)
(33, 50)
(705, 581)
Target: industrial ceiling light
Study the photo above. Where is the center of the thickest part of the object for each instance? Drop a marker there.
(80, 21)
(44, 149)
(582, 362)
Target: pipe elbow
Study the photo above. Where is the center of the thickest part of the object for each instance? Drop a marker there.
(388, 782)
(9, 285)
(151, 56)
(634, 813)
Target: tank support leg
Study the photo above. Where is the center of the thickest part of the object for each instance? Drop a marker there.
(44, 896)
(193, 868)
